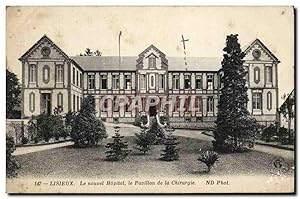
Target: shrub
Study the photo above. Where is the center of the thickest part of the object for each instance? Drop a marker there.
(11, 164)
(24, 140)
(118, 149)
(170, 153)
(86, 129)
(140, 119)
(269, 132)
(240, 140)
(46, 127)
(284, 136)
(143, 141)
(156, 133)
(164, 119)
(209, 158)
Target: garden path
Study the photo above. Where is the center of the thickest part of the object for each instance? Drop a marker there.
(31, 149)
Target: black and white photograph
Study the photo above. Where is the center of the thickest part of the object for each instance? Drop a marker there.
(150, 99)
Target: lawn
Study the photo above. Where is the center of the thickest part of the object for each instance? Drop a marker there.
(90, 162)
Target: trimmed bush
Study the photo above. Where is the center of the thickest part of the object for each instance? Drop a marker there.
(87, 130)
(143, 141)
(170, 153)
(156, 133)
(269, 132)
(209, 158)
(140, 119)
(118, 149)
(11, 164)
(45, 127)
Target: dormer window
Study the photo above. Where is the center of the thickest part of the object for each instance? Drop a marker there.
(152, 61)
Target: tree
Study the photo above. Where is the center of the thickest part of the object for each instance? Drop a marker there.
(235, 129)
(87, 130)
(11, 164)
(287, 110)
(89, 52)
(155, 133)
(118, 149)
(170, 153)
(13, 90)
(143, 141)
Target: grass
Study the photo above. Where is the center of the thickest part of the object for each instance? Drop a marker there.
(90, 162)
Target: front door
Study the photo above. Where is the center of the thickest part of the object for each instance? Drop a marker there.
(152, 109)
(46, 103)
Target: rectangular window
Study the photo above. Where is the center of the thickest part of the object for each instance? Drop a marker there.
(32, 73)
(77, 78)
(103, 82)
(210, 104)
(210, 80)
(115, 83)
(161, 81)
(198, 81)
(269, 74)
(78, 105)
(269, 101)
(127, 82)
(142, 83)
(175, 81)
(187, 81)
(199, 104)
(152, 62)
(80, 81)
(74, 102)
(257, 101)
(73, 75)
(91, 81)
(247, 73)
(59, 73)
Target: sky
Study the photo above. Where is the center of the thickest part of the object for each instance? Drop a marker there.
(75, 28)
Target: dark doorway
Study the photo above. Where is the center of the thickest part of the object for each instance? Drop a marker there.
(46, 103)
(152, 109)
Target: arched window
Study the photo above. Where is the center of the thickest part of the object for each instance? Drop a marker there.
(46, 74)
(256, 75)
(60, 103)
(269, 100)
(31, 102)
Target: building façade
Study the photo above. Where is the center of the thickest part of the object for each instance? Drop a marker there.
(51, 78)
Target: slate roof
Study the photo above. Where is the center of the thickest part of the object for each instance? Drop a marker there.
(128, 63)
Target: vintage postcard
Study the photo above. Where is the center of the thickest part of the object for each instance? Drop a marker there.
(150, 100)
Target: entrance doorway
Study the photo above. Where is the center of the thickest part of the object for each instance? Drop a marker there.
(152, 109)
(46, 103)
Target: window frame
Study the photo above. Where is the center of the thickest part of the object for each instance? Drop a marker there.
(32, 73)
(210, 79)
(90, 82)
(256, 75)
(197, 79)
(103, 77)
(115, 82)
(46, 79)
(257, 101)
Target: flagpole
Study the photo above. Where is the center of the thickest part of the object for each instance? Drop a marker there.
(120, 48)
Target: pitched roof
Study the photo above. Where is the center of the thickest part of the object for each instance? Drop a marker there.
(36, 45)
(249, 46)
(128, 63)
(96, 63)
